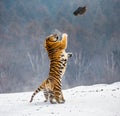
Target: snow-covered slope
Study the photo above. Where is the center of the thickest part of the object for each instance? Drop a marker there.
(96, 100)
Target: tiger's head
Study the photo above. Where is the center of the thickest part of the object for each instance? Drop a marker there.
(55, 43)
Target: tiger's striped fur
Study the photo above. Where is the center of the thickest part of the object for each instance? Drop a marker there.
(58, 62)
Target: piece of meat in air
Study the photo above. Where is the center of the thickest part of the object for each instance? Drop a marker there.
(80, 11)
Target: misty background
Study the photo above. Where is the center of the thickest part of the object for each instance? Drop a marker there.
(93, 38)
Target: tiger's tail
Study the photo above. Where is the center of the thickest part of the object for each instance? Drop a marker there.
(35, 92)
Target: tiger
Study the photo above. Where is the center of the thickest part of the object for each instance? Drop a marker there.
(51, 87)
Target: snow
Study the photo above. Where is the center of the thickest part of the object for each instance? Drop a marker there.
(96, 100)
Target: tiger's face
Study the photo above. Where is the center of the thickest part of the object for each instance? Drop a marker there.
(52, 38)
(56, 43)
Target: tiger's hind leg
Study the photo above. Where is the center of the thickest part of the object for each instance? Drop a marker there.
(52, 98)
(59, 97)
(62, 98)
(46, 94)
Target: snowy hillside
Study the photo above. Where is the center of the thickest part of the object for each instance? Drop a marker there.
(96, 100)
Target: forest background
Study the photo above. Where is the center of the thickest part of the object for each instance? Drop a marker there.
(93, 38)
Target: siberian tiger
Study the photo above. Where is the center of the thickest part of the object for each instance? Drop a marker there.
(55, 47)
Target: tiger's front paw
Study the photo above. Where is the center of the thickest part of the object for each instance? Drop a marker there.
(69, 54)
(65, 35)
